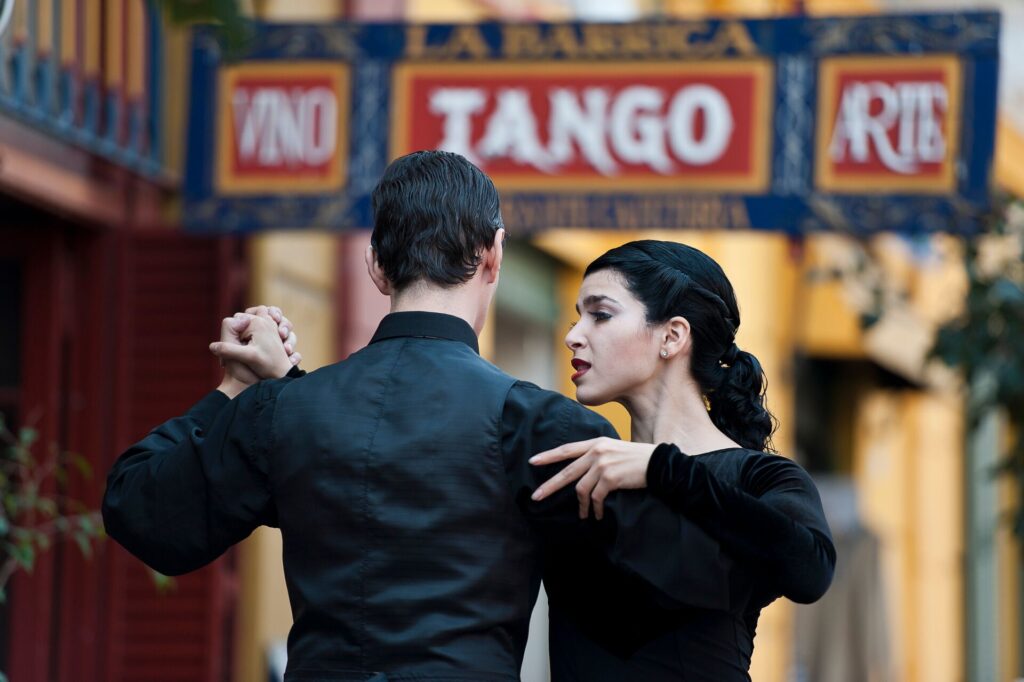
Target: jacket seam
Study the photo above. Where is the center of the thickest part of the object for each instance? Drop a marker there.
(365, 511)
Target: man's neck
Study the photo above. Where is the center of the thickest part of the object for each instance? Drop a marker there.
(436, 300)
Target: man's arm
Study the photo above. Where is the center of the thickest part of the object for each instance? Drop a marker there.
(196, 484)
(199, 483)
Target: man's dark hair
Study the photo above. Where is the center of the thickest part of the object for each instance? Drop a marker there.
(434, 212)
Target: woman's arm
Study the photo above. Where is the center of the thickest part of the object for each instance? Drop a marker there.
(772, 520)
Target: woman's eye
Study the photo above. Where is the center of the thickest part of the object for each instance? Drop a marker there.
(600, 317)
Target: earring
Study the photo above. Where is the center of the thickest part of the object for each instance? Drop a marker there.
(664, 353)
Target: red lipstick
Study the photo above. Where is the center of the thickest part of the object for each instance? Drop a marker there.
(581, 367)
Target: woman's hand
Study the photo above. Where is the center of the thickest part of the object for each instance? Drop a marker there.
(602, 465)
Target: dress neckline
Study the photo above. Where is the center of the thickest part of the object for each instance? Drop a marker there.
(719, 450)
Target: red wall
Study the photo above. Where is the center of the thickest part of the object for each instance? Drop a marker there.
(114, 339)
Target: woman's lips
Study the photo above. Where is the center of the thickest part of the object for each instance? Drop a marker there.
(581, 367)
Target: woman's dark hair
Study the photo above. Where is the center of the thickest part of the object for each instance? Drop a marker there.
(673, 279)
(434, 212)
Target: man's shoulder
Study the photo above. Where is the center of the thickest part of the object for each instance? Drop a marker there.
(532, 398)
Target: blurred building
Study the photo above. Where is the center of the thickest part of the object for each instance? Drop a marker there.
(108, 311)
(113, 307)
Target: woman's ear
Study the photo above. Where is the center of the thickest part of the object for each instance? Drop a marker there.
(675, 337)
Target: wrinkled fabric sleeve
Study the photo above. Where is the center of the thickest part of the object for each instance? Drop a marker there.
(196, 484)
(773, 520)
(640, 534)
(535, 420)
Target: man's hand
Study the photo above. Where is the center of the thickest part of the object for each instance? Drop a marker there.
(254, 347)
(284, 327)
(260, 349)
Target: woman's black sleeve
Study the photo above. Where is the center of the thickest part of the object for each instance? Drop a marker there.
(772, 521)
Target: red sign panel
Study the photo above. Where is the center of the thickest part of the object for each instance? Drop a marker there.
(888, 124)
(529, 125)
(282, 126)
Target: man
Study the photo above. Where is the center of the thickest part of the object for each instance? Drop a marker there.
(399, 477)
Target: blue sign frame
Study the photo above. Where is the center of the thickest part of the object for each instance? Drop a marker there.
(792, 203)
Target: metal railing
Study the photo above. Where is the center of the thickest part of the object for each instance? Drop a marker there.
(59, 73)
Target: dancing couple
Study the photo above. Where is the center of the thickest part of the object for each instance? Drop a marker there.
(423, 494)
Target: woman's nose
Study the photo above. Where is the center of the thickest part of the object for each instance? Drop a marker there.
(573, 338)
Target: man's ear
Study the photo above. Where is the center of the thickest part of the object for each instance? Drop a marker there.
(491, 262)
(376, 274)
(675, 337)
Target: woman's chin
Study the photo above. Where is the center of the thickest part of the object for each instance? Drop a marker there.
(588, 396)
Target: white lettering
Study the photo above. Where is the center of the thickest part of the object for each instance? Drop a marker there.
(512, 132)
(682, 128)
(605, 130)
(319, 116)
(457, 105)
(274, 127)
(637, 132)
(908, 109)
(585, 125)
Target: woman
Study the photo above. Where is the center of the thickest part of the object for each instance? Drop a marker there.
(657, 334)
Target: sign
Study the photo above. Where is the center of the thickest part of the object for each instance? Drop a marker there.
(282, 126)
(891, 125)
(593, 126)
(853, 124)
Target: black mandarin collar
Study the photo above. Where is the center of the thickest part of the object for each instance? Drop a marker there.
(426, 326)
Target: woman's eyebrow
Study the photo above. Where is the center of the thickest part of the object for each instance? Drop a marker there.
(594, 299)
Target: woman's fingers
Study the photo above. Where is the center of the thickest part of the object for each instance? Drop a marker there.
(571, 473)
(584, 489)
(598, 495)
(562, 452)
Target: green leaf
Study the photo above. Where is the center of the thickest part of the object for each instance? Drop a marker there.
(24, 555)
(5, 525)
(27, 436)
(43, 541)
(81, 463)
(82, 540)
(87, 524)
(46, 507)
(163, 583)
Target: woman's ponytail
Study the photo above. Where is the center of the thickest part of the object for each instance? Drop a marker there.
(737, 403)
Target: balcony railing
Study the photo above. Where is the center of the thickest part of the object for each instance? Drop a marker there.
(88, 72)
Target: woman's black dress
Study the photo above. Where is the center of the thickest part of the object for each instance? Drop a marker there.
(766, 537)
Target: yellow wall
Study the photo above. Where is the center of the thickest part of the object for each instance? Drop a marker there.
(908, 472)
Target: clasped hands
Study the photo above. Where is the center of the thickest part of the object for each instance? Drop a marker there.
(254, 345)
